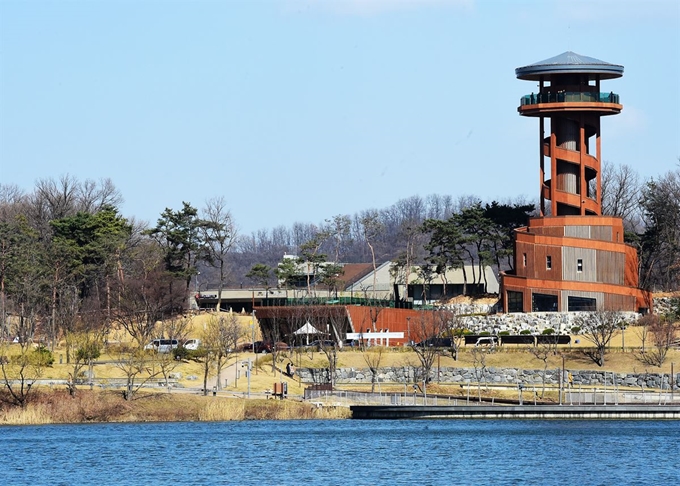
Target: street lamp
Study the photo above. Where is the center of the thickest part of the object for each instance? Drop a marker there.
(248, 368)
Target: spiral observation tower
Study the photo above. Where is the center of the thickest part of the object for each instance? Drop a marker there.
(571, 258)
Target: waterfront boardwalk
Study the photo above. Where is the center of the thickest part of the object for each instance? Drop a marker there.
(598, 412)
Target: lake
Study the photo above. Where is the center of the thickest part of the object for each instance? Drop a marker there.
(344, 452)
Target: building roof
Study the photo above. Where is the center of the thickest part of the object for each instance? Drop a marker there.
(354, 272)
(569, 62)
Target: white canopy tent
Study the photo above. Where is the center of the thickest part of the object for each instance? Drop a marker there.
(306, 330)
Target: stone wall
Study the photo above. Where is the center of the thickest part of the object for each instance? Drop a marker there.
(665, 305)
(480, 318)
(536, 322)
(500, 376)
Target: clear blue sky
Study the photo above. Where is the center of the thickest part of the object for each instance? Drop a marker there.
(299, 110)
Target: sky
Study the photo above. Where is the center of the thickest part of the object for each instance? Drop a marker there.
(300, 110)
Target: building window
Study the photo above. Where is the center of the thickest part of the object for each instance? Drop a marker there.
(548, 262)
(579, 265)
(524, 259)
(576, 304)
(515, 301)
(543, 303)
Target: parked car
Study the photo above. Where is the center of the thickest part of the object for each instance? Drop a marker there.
(263, 347)
(245, 347)
(162, 345)
(192, 344)
(487, 341)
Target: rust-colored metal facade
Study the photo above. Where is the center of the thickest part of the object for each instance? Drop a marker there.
(571, 257)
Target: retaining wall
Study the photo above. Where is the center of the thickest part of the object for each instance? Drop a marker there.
(450, 375)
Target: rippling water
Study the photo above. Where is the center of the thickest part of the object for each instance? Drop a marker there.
(344, 452)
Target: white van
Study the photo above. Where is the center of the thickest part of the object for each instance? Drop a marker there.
(162, 345)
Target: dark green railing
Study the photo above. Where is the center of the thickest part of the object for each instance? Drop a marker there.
(339, 301)
(569, 97)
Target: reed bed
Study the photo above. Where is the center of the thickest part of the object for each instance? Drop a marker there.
(88, 406)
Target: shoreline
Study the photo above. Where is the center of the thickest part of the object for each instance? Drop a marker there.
(88, 407)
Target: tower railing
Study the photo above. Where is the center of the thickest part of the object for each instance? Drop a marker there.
(568, 97)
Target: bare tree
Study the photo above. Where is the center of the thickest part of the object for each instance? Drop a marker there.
(139, 367)
(373, 313)
(21, 370)
(145, 300)
(330, 350)
(339, 231)
(426, 329)
(175, 327)
(86, 346)
(454, 328)
(219, 344)
(543, 353)
(311, 257)
(599, 328)
(219, 235)
(373, 357)
(642, 329)
(272, 332)
(370, 229)
(479, 362)
(663, 332)
(621, 190)
(93, 197)
(13, 201)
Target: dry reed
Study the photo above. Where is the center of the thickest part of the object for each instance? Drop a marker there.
(221, 410)
(33, 414)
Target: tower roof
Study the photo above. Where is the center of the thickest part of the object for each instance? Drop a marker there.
(569, 63)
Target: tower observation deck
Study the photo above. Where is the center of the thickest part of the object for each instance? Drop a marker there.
(571, 257)
(569, 103)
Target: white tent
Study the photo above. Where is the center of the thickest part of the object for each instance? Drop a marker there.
(306, 330)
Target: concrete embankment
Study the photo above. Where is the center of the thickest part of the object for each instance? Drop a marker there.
(580, 412)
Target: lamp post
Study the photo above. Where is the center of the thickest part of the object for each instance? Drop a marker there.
(248, 368)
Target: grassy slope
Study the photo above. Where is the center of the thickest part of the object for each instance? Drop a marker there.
(508, 356)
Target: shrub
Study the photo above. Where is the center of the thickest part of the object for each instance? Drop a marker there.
(504, 333)
(88, 352)
(549, 331)
(576, 329)
(525, 332)
(181, 353)
(42, 356)
(485, 333)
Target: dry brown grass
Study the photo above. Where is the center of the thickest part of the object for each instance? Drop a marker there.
(56, 406)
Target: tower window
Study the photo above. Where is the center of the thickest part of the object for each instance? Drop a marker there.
(579, 265)
(548, 262)
(524, 259)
